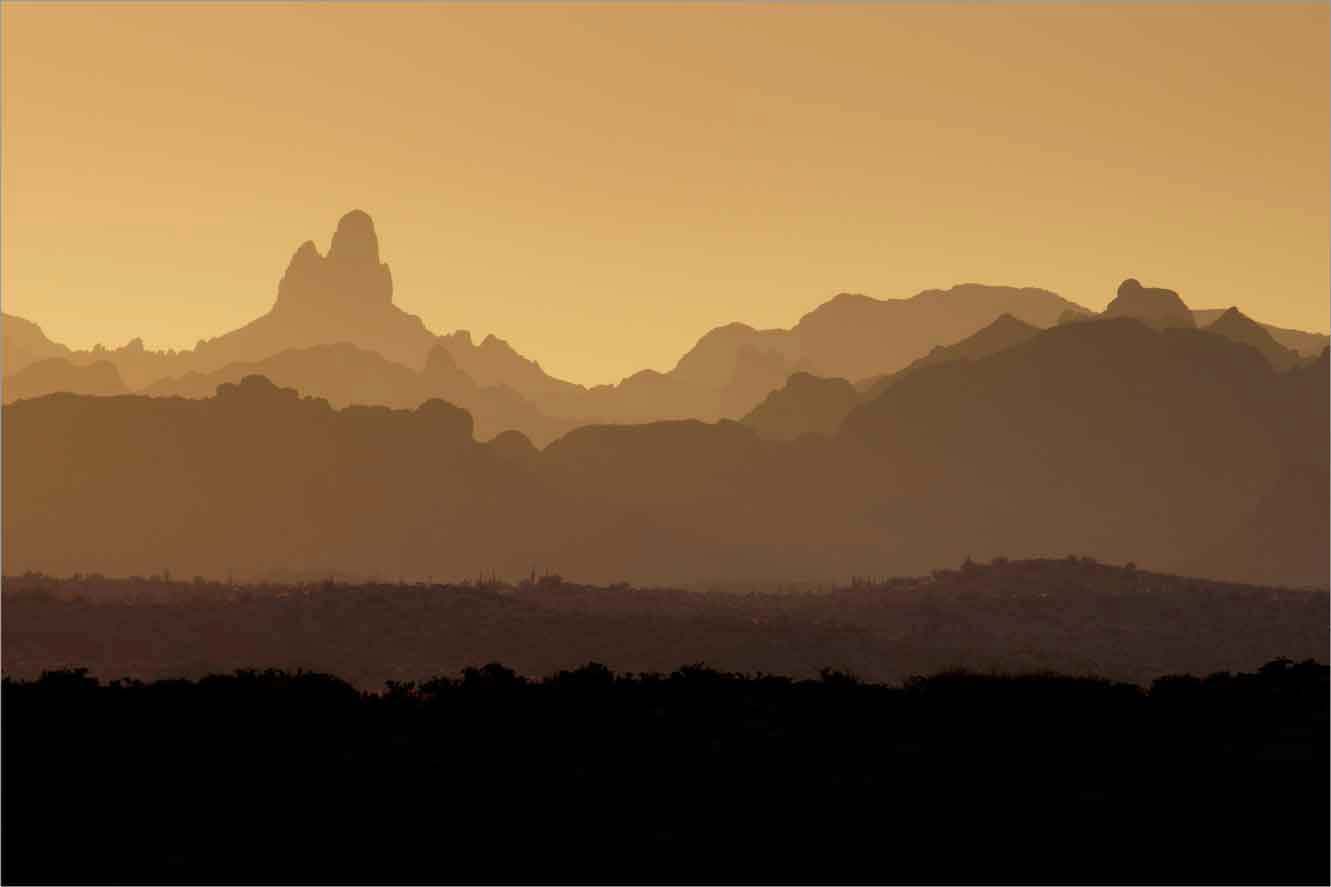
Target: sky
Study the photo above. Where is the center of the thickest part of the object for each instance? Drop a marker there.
(599, 184)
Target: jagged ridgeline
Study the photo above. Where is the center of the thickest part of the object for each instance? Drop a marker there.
(336, 432)
(1177, 448)
(335, 332)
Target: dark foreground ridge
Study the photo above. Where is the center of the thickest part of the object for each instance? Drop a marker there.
(695, 776)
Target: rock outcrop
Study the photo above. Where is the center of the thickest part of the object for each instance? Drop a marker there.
(1157, 308)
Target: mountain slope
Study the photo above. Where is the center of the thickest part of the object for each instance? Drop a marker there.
(1238, 327)
(805, 405)
(345, 296)
(856, 337)
(733, 367)
(1304, 343)
(1104, 436)
(812, 404)
(25, 343)
(58, 374)
(1005, 332)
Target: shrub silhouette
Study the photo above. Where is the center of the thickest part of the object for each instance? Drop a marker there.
(589, 775)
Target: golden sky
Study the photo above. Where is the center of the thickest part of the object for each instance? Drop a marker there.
(600, 184)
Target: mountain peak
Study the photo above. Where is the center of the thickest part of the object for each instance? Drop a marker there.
(806, 404)
(1236, 326)
(1154, 306)
(355, 241)
(1007, 321)
(350, 275)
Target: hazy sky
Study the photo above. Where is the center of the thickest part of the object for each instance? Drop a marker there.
(599, 185)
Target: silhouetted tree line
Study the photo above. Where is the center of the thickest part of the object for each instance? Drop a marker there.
(696, 775)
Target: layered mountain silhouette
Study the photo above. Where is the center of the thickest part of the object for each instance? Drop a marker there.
(58, 374)
(1306, 345)
(346, 298)
(1003, 333)
(346, 375)
(809, 404)
(1107, 438)
(1238, 327)
(1106, 431)
(25, 343)
(878, 436)
(806, 404)
(1156, 307)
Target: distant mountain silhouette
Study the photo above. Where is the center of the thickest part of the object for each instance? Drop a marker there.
(1003, 333)
(1106, 434)
(806, 404)
(345, 296)
(1074, 315)
(1163, 308)
(810, 404)
(1104, 438)
(343, 374)
(1158, 308)
(856, 337)
(346, 375)
(1306, 344)
(58, 374)
(1238, 327)
(25, 343)
(495, 362)
(733, 367)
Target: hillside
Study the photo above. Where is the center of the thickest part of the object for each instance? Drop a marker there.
(1067, 614)
(25, 343)
(58, 374)
(1305, 343)
(1238, 327)
(1005, 332)
(1103, 434)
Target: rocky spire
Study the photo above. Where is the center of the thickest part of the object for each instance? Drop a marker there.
(354, 241)
(349, 279)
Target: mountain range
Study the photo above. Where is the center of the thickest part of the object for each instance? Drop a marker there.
(337, 433)
(1173, 448)
(335, 332)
